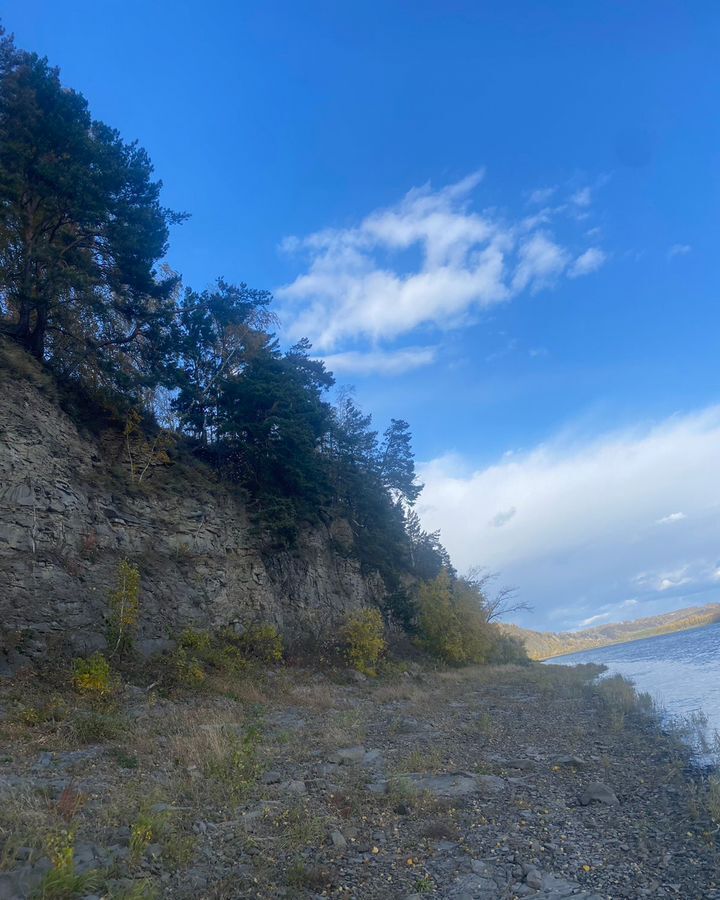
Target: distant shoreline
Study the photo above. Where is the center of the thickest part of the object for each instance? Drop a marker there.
(542, 646)
(632, 640)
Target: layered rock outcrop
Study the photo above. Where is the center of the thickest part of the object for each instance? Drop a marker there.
(69, 513)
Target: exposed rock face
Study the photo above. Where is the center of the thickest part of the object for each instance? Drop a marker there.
(69, 513)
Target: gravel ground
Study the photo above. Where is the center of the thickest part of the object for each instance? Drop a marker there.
(478, 784)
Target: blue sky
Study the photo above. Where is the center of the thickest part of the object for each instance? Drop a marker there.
(496, 220)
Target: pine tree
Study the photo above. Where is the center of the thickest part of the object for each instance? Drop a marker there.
(397, 462)
(81, 232)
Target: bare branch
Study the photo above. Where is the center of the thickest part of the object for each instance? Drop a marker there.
(503, 602)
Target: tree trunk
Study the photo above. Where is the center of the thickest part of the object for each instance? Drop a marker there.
(36, 340)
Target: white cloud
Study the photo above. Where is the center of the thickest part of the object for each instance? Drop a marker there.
(540, 261)
(541, 196)
(582, 198)
(592, 620)
(585, 514)
(429, 260)
(672, 517)
(679, 250)
(587, 262)
(378, 362)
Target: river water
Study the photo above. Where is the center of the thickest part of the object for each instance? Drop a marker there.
(681, 670)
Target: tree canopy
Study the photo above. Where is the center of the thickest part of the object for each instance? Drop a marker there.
(82, 231)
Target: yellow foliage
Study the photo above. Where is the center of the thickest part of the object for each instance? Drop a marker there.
(197, 641)
(143, 454)
(61, 850)
(452, 623)
(365, 636)
(124, 606)
(141, 836)
(263, 642)
(92, 676)
(187, 669)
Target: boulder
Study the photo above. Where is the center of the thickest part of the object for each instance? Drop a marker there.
(597, 792)
(456, 784)
(348, 756)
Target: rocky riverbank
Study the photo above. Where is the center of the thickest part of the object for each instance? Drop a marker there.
(477, 784)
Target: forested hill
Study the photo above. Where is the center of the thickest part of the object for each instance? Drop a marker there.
(546, 644)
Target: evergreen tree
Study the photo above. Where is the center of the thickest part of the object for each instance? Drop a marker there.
(81, 232)
(428, 555)
(219, 331)
(397, 462)
(271, 421)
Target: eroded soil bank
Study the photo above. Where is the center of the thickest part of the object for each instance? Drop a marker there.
(479, 784)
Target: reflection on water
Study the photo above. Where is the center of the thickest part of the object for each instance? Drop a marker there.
(681, 671)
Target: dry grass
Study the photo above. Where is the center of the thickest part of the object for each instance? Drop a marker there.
(422, 761)
(297, 828)
(399, 692)
(196, 735)
(26, 818)
(245, 690)
(343, 729)
(320, 697)
(713, 798)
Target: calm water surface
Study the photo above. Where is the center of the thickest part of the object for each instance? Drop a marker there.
(681, 671)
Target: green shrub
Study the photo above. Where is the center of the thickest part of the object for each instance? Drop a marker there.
(364, 634)
(506, 649)
(62, 882)
(52, 710)
(94, 727)
(713, 798)
(200, 653)
(452, 625)
(184, 668)
(262, 642)
(92, 676)
(195, 641)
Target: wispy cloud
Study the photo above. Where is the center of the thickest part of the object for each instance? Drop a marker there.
(679, 250)
(593, 620)
(582, 198)
(429, 260)
(671, 517)
(379, 362)
(589, 261)
(585, 517)
(540, 261)
(668, 580)
(540, 196)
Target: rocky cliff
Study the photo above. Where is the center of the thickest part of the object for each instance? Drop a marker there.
(69, 513)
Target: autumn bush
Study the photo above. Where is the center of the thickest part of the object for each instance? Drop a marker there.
(201, 653)
(364, 635)
(261, 641)
(92, 676)
(452, 624)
